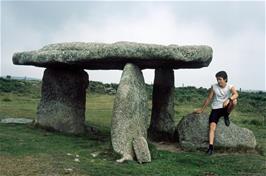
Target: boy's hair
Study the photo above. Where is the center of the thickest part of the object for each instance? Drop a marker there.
(222, 74)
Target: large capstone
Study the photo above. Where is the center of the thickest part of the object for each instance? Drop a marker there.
(193, 132)
(116, 55)
(162, 126)
(62, 105)
(130, 111)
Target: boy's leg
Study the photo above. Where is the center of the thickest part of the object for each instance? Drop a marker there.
(211, 137)
(231, 106)
(212, 132)
(213, 120)
(228, 109)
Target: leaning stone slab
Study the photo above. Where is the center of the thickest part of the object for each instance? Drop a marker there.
(193, 132)
(130, 112)
(116, 55)
(62, 105)
(141, 150)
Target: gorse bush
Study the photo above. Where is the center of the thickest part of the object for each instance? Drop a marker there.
(20, 86)
(6, 99)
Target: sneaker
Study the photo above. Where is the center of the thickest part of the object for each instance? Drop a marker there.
(209, 152)
(226, 120)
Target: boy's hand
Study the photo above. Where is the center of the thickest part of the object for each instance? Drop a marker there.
(198, 111)
(226, 102)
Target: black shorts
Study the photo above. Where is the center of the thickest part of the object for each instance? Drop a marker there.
(216, 114)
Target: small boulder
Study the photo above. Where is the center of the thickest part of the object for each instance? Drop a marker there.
(193, 132)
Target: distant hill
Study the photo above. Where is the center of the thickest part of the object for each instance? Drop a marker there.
(20, 86)
(247, 102)
(18, 77)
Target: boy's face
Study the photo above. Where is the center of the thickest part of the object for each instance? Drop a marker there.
(221, 81)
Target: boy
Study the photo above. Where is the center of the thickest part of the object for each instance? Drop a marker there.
(224, 99)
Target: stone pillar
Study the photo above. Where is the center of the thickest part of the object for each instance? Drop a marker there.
(130, 115)
(62, 105)
(162, 126)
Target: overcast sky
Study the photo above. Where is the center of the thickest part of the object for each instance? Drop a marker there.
(235, 31)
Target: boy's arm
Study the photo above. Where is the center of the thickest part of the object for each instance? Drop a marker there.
(234, 93)
(206, 102)
(233, 97)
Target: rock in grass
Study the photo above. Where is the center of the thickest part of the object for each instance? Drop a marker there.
(17, 120)
(193, 131)
(68, 170)
(76, 160)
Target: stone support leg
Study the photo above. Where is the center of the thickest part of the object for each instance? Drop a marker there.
(162, 125)
(63, 98)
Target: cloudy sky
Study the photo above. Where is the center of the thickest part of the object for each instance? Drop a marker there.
(235, 31)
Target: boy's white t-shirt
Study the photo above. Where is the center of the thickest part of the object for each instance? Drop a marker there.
(220, 95)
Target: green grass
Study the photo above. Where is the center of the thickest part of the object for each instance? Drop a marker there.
(26, 150)
(50, 149)
(99, 110)
(18, 106)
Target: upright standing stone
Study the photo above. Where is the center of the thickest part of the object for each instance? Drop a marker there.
(62, 105)
(130, 116)
(162, 125)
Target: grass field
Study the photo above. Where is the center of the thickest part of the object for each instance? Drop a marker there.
(26, 150)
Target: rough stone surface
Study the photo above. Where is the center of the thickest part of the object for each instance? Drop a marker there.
(116, 55)
(141, 150)
(162, 126)
(62, 105)
(130, 111)
(193, 133)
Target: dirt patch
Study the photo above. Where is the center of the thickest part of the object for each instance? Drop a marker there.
(26, 165)
(173, 147)
(167, 146)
